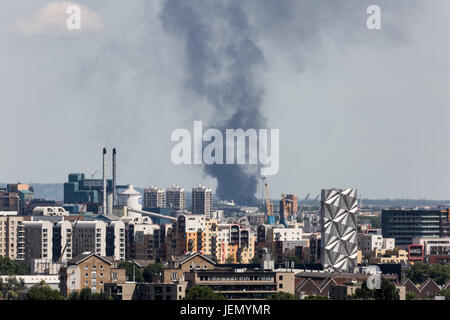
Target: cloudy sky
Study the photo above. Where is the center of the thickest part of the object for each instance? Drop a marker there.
(355, 107)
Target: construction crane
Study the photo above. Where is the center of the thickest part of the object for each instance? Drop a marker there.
(302, 206)
(269, 205)
(69, 240)
(92, 172)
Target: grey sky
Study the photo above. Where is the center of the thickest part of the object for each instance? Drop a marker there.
(355, 108)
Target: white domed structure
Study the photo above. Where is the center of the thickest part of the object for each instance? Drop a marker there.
(131, 198)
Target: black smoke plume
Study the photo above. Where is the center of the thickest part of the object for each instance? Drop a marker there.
(222, 59)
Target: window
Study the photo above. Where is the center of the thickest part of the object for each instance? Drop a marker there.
(281, 286)
(86, 275)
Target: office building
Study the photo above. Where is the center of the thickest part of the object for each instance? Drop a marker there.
(405, 225)
(338, 211)
(154, 198)
(202, 201)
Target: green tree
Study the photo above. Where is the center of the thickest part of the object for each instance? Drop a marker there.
(87, 294)
(255, 260)
(229, 260)
(388, 291)
(152, 270)
(363, 293)
(203, 293)
(315, 298)
(282, 296)
(419, 272)
(440, 273)
(132, 271)
(445, 293)
(411, 296)
(12, 267)
(10, 289)
(43, 293)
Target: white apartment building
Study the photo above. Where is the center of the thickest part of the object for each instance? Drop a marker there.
(191, 223)
(434, 246)
(202, 201)
(12, 239)
(154, 198)
(176, 198)
(61, 239)
(367, 243)
(89, 236)
(50, 211)
(38, 240)
(115, 240)
(287, 234)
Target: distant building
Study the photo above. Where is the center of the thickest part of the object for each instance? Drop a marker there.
(404, 225)
(16, 197)
(176, 198)
(368, 242)
(202, 201)
(338, 212)
(154, 198)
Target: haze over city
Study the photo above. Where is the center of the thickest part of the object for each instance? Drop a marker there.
(359, 108)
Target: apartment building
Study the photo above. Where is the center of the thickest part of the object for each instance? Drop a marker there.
(38, 240)
(143, 239)
(190, 233)
(115, 240)
(12, 237)
(202, 201)
(89, 236)
(61, 239)
(89, 270)
(176, 198)
(234, 243)
(177, 266)
(154, 197)
(367, 243)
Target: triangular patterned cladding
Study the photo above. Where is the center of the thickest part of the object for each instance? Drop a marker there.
(338, 218)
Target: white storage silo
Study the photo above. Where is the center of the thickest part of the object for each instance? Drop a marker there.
(130, 198)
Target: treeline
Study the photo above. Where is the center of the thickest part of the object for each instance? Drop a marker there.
(13, 267)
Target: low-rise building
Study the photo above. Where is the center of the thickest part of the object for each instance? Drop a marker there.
(89, 270)
(243, 283)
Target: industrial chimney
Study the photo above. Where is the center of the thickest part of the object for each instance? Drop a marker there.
(114, 177)
(104, 182)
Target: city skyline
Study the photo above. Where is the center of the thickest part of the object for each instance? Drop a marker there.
(372, 103)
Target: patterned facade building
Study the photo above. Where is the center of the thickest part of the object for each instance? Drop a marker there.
(338, 212)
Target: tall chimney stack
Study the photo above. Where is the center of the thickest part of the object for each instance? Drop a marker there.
(114, 177)
(104, 182)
